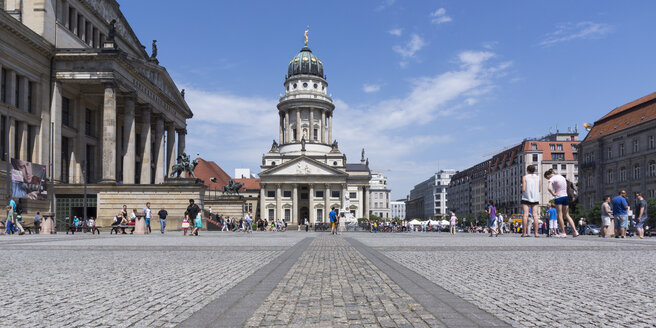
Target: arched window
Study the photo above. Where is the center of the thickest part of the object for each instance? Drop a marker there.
(636, 172)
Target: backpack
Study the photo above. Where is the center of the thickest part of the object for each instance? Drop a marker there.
(572, 192)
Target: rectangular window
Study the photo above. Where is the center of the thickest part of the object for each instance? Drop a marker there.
(574, 147)
(294, 134)
(563, 166)
(576, 156)
(30, 97)
(288, 214)
(89, 127)
(552, 147)
(353, 195)
(271, 193)
(558, 156)
(621, 149)
(554, 166)
(318, 194)
(66, 107)
(319, 214)
(560, 147)
(271, 215)
(534, 146)
(609, 153)
(3, 86)
(287, 194)
(64, 159)
(636, 146)
(304, 195)
(535, 158)
(650, 142)
(334, 193)
(315, 134)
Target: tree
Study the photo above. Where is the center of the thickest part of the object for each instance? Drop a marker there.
(651, 211)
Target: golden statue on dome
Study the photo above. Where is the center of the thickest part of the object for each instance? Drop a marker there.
(306, 34)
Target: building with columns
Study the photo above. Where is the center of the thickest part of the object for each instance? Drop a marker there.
(80, 91)
(304, 173)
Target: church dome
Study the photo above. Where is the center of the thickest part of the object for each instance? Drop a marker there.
(305, 62)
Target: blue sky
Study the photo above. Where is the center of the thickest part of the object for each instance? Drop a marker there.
(418, 84)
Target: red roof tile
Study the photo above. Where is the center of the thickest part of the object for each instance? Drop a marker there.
(626, 116)
(208, 169)
(249, 184)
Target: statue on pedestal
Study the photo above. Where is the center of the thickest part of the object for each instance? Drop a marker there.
(184, 164)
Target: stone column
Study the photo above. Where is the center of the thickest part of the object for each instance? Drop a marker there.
(299, 131)
(146, 170)
(12, 138)
(181, 140)
(361, 202)
(288, 130)
(22, 132)
(282, 127)
(170, 148)
(365, 200)
(130, 139)
(109, 134)
(262, 203)
(312, 211)
(56, 117)
(24, 86)
(294, 217)
(278, 203)
(323, 126)
(326, 196)
(330, 128)
(311, 129)
(73, 20)
(343, 198)
(160, 167)
(79, 142)
(82, 28)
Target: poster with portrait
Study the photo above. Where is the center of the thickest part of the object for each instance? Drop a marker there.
(28, 180)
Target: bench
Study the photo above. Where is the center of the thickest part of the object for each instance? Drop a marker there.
(29, 228)
(72, 229)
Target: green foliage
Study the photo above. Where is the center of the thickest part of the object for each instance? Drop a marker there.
(374, 217)
(481, 218)
(651, 211)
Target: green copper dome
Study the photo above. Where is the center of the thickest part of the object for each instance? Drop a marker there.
(305, 62)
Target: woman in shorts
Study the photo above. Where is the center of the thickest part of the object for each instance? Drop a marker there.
(606, 213)
(530, 199)
(558, 188)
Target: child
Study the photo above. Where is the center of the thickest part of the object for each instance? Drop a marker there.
(185, 223)
(92, 223)
(553, 221)
(198, 223)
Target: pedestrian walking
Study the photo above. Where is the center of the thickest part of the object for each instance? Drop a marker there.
(148, 213)
(641, 218)
(500, 223)
(185, 223)
(530, 198)
(454, 221)
(162, 219)
(198, 224)
(553, 220)
(307, 225)
(492, 217)
(192, 209)
(620, 211)
(37, 222)
(606, 214)
(333, 218)
(249, 223)
(558, 189)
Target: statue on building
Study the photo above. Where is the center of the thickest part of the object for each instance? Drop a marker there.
(184, 164)
(274, 146)
(153, 54)
(303, 144)
(182, 93)
(112, 31)
(362, 159)
(232, 187)
(306, 34)
(335, 145)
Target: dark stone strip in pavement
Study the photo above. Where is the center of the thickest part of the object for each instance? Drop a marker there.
(624, 248)
(187, 248)
(237, 305)
(447, 307)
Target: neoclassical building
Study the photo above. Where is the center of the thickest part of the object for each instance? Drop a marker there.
(79, 90)
(304, 173)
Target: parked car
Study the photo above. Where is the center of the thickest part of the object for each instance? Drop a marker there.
(591, 229)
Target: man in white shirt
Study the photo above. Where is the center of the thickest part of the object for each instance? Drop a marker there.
(147, 215)
(501, 224)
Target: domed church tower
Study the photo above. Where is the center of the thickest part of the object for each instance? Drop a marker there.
(304, 173)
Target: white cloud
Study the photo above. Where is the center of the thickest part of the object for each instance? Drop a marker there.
(369, 88)
(396, 31)
(439, 16)
(572, 31)
(411, 47)
(385, 4)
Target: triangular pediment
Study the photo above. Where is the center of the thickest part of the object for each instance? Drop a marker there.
(303, 166)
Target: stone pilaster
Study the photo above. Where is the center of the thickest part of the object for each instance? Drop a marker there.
(22, 132)
(294, 217)
(12, 139)
(312, 216)
(311, 128)
(278, 203)
(160, 167)
(146, 130)
(130, 139)
(262, 202)
(330, 128)
(170, 148)
(109, 134)
(79, 142)
(299, 130)
(56, 119)
(326, 196)
(281, 127)
(365, 200)
(343, 198)
(288, 129)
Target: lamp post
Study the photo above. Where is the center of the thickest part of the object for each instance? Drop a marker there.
(84, 177)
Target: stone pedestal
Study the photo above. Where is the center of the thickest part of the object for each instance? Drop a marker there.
(226, 206)
(47, 224)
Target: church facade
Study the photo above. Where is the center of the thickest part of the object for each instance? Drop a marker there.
(304, 174)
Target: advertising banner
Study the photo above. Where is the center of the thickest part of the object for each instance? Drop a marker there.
(28, 180)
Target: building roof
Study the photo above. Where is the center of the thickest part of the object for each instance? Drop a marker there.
(626, 116)
(356, 167)
(547, 153)
(249, 184)
(208, 169)
(305, 62)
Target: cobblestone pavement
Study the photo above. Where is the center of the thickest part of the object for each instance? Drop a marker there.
(332, 284)
(121, 281)
(582, 282)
